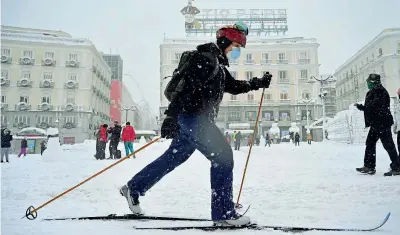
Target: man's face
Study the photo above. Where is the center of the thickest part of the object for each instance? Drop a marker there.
(115, 123)
(234, 44)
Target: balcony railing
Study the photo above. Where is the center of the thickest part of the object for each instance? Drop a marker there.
(284, 81)
(304, 61)
(265, 61)
(282, 61)
(248, 61)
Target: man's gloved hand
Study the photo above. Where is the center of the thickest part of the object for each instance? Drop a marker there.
(257, 83)
(266, 80)
(169, 128)
(359, 106)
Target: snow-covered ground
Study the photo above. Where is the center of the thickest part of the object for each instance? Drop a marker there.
(310, 185)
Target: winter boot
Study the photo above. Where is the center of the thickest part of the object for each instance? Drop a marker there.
(366, 170)
(236, 221)
(132, 198)
(392, 173)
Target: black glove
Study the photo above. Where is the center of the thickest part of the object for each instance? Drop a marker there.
(266, 80)
(360, 107)
(169, 128)
(257, 83)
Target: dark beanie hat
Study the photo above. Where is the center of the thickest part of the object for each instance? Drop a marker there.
(223, 43)
(375, 78)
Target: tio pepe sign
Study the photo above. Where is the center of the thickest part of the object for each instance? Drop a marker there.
(242, 13)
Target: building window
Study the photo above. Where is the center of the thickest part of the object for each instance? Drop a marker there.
(28, 54)
(3, 99)
(49, 55)
(249, 75)
(304, 74)
(250, 96)
(284, 95)
(234, 116)
(45, 119)
(73, 56)
(4, 119)
(72, 76)
(4, 74)
(71, 100)
(367, 59)
(47, 75)
(24, 99)
(177, 58)
(26, 74)
(249, 58)
(70, 119)
(281, 56)
(382, 68)
(267, 96)
(22, 119)
(233, 97)
(303, 55)
(5, 51)
(380, 53)
(46, 99)
(306, 95)
(283, 74)
(265, 57)
(398, 47)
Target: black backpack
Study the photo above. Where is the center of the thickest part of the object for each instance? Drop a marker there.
(177, 82)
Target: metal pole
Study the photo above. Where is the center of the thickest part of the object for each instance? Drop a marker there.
(323, 117)
(308, 126)
(126, 116)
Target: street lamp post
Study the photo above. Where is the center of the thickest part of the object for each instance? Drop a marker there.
(322, 95)
(126, 109)
(307, 101)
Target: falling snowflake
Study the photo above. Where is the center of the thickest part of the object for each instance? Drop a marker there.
(175, 151)
(199, 66)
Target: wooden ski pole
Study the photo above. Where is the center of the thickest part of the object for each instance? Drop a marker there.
(251, 147)
(31, 212)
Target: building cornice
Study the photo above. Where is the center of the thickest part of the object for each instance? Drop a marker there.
(384, 34)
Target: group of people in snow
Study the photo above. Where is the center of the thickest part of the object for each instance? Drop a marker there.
(113, 135)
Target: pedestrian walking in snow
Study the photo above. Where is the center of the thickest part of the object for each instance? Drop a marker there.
(267, 140)
(114, 140)
(6, 139)
(190, 123)
(396, 127)
(128, 136)
(24, 146)
(238, 140)
(377, 116)
(297, 139)
(43, 146)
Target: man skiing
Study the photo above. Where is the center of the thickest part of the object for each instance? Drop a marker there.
(377, 116)
(190, 123)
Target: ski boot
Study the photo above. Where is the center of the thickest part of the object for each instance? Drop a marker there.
(236, 221)
(366, 170)
(133, 200)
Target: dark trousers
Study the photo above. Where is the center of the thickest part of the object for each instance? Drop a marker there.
(309, 141)
(100, 150)
(237, 145)
(196, 132)
(296, 142)
(113, 147)
(385, 135)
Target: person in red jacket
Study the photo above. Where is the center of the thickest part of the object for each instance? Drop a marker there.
(128, 136)
(101, 142)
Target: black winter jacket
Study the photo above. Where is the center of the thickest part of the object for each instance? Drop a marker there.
(6, 140)
(24, 143)
(377, 108)
(115, 133)
(202, 95)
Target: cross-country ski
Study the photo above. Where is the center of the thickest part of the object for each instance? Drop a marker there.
(158, 117)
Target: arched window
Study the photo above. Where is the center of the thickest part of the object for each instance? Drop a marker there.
(267, 95)
(306, 94)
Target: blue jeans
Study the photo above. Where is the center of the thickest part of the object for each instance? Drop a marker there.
(196, 132)
(128, 148)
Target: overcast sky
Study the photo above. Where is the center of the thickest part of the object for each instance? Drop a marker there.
(136, 28)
